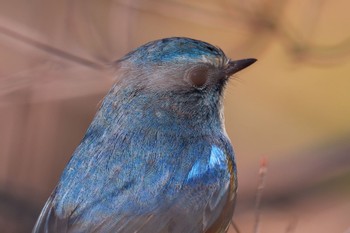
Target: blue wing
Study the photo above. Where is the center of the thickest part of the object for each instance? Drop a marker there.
(117, 184)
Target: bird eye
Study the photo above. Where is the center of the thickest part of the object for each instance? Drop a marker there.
(198, 76)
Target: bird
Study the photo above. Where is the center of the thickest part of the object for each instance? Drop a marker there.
(156, 157)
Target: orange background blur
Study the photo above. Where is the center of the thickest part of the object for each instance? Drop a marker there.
(292, 106)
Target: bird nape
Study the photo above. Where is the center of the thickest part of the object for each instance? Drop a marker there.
(156, 157)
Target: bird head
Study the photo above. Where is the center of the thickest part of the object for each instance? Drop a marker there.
(178, 77)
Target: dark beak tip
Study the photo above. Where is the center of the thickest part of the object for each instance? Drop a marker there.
(244, 63)
(250, 61)
(235, 66)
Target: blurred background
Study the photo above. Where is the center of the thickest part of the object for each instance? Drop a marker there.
(292, 106)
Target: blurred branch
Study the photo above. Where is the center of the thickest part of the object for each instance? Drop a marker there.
(49, 49)
(266, 18)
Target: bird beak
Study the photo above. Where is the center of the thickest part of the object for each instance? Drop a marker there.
(235, 66)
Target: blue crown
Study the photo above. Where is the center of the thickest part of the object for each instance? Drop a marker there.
(174, 50)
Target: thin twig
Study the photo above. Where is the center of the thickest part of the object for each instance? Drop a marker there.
(292, 225)
(235, 226)
(261, 185)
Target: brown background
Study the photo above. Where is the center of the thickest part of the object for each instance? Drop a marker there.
(292, 106)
